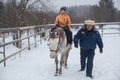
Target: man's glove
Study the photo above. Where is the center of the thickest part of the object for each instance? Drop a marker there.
(76, 44)
(101, 50)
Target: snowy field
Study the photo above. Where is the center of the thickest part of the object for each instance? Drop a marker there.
(37, 65)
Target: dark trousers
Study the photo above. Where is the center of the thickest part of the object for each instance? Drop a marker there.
(68, 33)
(89, 56)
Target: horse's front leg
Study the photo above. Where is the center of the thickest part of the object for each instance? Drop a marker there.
(66, 58)
(56, 62)
(61, 64)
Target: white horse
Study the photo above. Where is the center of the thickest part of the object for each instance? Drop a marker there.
(58, 45)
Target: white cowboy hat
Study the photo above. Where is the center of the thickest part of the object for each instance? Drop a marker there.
(89, 22)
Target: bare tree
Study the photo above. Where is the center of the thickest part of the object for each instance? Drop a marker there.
(26, 12)
(21, 11)
(1, 9)
(108, 11)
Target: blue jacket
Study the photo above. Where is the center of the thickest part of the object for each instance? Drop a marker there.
(88, 39)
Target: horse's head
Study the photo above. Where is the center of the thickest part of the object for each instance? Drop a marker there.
(54, 42)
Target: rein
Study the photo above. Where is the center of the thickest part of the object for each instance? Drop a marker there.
(57, 46)
(60, 38)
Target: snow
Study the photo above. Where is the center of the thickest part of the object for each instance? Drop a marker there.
(36, 64)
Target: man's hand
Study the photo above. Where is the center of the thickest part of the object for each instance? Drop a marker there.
(76, 44)
(66, 28)
(101, 50)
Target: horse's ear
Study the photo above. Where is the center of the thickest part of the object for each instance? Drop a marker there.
(50, 32)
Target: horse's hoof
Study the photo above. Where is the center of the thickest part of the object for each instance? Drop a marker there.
(60, 73)
(57, 74)
(65, 67)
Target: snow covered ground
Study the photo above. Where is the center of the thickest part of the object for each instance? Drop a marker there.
(37, 65)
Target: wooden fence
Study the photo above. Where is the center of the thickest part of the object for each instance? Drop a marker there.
(37, 31)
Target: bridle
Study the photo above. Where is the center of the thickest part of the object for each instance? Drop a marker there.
(57, 45)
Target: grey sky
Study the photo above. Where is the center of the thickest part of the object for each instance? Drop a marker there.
(59, 3)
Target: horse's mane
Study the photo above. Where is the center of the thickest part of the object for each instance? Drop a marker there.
(60, 31)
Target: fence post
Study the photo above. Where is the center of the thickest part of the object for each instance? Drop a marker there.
(19, 36)
(40, 36)
(28, 39)
(119, 30)
(35, 37)
(4, 49)
(102, 30)
(19, 42)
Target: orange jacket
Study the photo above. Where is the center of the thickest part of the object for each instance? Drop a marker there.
(63, 20)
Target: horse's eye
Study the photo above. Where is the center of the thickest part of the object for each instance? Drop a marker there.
(57, 33)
